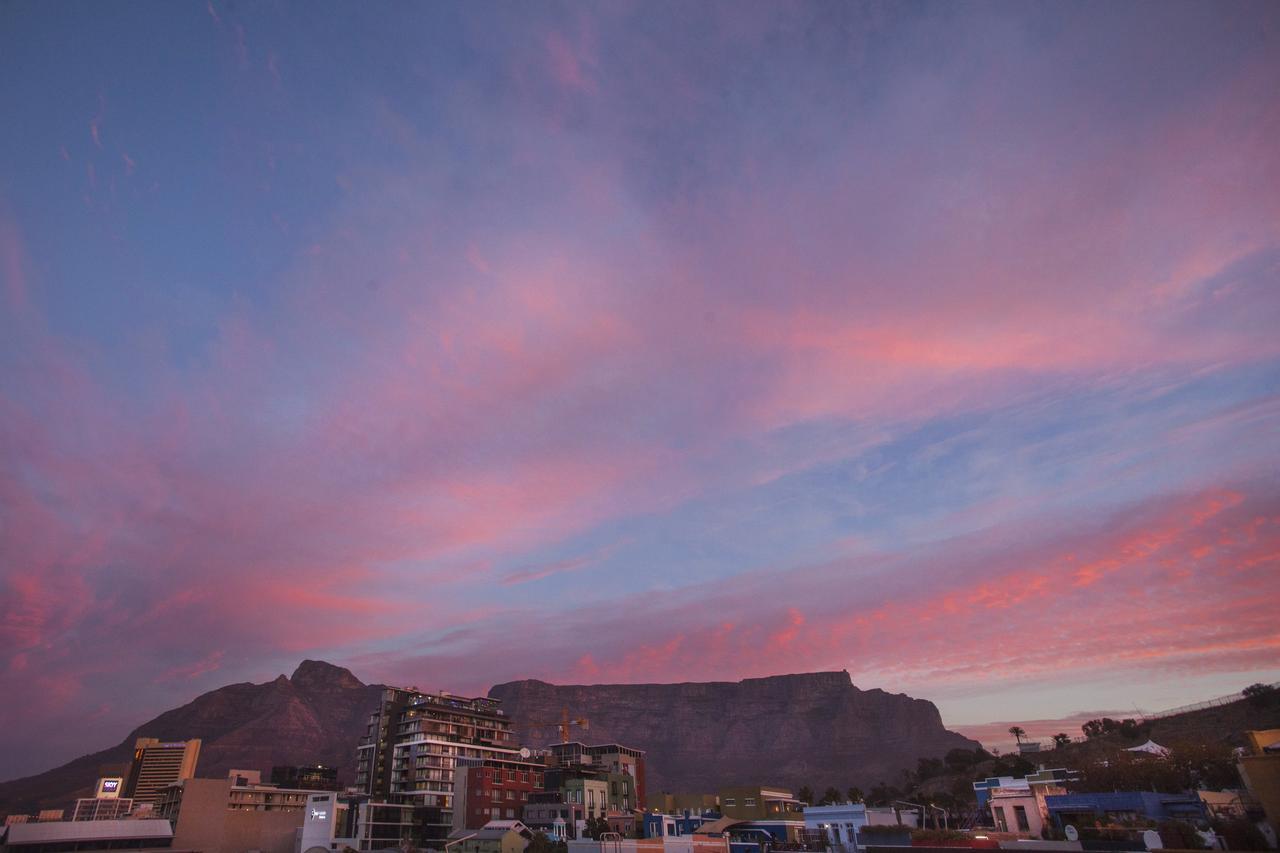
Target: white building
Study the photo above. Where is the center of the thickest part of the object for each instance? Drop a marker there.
(839, 823)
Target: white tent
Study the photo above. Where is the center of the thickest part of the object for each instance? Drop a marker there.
(1152, 748)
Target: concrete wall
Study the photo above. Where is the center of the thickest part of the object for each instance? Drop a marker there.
(206, 824)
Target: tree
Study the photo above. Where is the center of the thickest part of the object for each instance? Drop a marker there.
(961, 759)
(855, 794)
(927, 768)
(806, 795)
(1260, 695)
(1093, 729)
(1061, 739)
(1018, 733)
(1131, 728)
(540, 843)
(830, 797)
(1179, 834)
(596, 827)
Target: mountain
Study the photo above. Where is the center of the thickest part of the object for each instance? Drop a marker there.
(315, 716)
(814, 729)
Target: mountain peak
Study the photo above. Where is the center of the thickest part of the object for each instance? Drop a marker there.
(320, 674)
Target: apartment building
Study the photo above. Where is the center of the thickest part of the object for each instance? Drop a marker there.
(412, 745)
(486, 789)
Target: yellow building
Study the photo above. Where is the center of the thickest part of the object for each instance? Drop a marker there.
(757, 802)
(1260, 771)
(668, 803)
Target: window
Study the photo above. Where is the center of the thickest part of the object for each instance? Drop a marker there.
(1020, 814)
(749, 801)
(835, 832)
(1001, 823)
(729, 802)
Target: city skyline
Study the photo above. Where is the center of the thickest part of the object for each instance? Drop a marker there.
(637, 343)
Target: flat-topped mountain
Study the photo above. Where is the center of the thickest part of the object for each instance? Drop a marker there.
(315, 716)
(814, 729)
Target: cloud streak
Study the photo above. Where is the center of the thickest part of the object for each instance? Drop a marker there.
(738, 339)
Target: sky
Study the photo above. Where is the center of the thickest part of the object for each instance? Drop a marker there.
(637, 342)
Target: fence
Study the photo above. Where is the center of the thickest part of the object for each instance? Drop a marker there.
(1200, 706)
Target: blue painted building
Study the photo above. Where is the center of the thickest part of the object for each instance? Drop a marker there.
(1122, 806)
(658, 825)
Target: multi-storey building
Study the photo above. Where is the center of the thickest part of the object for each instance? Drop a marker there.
(158, 764)
(619, 768)
(486, 789)
(551, 813)
(412, 745)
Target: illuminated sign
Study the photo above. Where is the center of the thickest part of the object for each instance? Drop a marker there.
(317, 814)
(110, 785)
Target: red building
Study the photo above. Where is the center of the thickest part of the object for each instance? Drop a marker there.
(486, 789)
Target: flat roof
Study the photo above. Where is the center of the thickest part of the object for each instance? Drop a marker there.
(88, 830)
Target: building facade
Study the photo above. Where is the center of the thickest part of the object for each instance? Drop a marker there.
(334, 821)
(1260, 770)
(760, 803)
(548, 812)
(622, 766)
(1022, 810)
(412, 745)
(309, 777)
(158, 764)
(488, 789)
(838, 824)
(1122, 807)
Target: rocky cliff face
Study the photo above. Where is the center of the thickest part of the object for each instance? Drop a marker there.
(814, 729)
(314, 717)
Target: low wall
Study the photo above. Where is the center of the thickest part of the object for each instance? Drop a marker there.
(667, 844)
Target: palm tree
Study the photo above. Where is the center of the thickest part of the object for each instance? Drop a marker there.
(1018, 733)
(1061, 739)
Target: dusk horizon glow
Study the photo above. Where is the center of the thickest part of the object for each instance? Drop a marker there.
(637, 343)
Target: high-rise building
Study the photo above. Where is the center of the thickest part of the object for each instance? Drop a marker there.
(157, 764)
(413, 742)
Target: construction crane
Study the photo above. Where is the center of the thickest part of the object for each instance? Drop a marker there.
(562, 724)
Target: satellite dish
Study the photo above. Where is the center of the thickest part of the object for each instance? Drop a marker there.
(525, 752)
(1072, 833)
(1152, 839)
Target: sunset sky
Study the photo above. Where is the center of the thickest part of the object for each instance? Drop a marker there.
(459, 343)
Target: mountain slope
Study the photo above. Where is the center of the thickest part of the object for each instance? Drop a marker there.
(814, 729)
(316, 716)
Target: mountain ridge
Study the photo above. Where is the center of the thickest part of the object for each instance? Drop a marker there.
(315, 716)
(815, 729)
